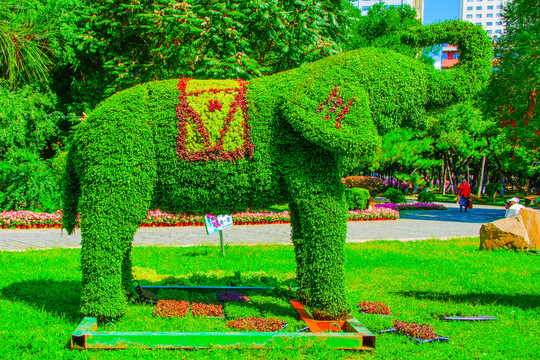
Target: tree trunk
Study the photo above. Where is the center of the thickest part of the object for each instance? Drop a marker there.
(482, 177)
(443, 182)
(451, 178)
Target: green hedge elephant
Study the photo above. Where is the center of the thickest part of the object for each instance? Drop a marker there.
(221, 146)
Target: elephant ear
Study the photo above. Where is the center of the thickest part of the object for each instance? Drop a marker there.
(332, 113)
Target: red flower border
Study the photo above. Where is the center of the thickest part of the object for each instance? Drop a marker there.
(184, 112)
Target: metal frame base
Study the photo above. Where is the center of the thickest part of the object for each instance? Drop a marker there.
(349, 335)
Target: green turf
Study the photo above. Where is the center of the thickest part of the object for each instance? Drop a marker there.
(39, 293)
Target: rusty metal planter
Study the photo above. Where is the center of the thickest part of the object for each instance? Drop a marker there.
(351, 336)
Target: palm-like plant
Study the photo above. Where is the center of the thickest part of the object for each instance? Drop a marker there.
(25, 52)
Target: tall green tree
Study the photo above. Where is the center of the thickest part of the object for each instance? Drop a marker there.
(512, 95)
(25, 44)
(125, 42)
(384, 26)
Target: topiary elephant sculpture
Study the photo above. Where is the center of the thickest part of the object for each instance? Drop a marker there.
(221, 146)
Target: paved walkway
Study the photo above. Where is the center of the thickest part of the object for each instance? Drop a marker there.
(413, 225)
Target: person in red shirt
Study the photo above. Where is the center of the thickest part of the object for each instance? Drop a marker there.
(464, 191)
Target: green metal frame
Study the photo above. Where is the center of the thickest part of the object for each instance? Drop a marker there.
(86, 336)
(351, 335)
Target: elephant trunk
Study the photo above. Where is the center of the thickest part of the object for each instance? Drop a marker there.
(472, 71)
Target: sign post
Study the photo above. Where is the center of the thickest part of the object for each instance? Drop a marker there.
(221, 241)
(215, 223)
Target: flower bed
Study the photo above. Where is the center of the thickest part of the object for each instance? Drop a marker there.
(408, 207)
(201, 309)
(256, 324)
(418, 331)
(374, 308)
(373, 215)
(171, 308)
(232, 296)
(22, 219)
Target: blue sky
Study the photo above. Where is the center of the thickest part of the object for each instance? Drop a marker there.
(438, 10)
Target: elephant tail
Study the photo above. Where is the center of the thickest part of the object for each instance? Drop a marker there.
(71, 190)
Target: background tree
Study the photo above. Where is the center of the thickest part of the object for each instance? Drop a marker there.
(383, 26)
(512, 95)
(139, 41)
(25, 44)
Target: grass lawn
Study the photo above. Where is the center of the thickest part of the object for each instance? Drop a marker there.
(39, 295)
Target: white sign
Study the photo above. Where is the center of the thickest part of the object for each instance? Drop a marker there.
(215, 223)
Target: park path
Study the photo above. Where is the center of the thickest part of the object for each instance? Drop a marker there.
(413, 225)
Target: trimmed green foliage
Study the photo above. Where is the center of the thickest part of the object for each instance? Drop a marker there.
(132, 153)
(426, 196)
(395, 196)
(356, 198)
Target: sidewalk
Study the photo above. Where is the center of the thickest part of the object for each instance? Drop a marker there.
(413, 225)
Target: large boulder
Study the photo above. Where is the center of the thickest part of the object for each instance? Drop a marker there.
(508, 233)
(531, 219)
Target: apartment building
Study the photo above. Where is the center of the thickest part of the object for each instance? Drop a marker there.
(487, 13)
(418, 5)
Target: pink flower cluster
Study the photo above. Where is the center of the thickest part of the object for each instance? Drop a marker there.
(415, 206)
(28, 219)
(20, 218)
(376, 214)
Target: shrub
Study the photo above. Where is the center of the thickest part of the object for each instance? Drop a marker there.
(28, 182)
(492, 189)
(370, 183)
(356, 198)
(395, 196)
(426, 197)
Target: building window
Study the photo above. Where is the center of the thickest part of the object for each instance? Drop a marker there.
(469, 8)
(499, 23)
(469, 16)
(497, 31)
(490, 7)
(499, 7)
(444, 56)
(470, 0)
(489, 24)
(478, 8)
(489, 15)
(499, 15)
(478, 16)
(490, 32)
(365, 8)
(456, 56)
(478, 23)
